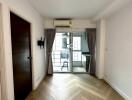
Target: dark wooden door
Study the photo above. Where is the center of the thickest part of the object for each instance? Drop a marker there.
(21, 52)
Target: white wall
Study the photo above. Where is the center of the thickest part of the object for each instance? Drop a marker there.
(100, 48)
(26, 11)
(118, 66)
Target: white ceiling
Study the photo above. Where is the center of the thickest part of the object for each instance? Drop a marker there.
(71, 8)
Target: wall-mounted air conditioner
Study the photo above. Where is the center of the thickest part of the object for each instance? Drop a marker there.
(62, 23)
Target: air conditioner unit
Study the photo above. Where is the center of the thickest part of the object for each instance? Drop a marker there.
(62, 23)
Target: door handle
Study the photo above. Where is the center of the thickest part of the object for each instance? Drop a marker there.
(29, 58)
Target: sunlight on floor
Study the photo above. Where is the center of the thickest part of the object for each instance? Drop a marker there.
(65, 69)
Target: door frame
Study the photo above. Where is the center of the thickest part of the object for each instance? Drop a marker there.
(30, 43)
(1, 58)
(70, 55)
(7, 66)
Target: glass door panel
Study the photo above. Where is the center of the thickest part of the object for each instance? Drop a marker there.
(79, 47)
(61, 53)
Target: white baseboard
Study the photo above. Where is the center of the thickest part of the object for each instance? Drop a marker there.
(126, 97)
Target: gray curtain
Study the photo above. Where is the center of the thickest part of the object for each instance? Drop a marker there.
(49, 40)
(91, 39)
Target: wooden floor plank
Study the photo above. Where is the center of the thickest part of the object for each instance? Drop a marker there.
(73, 87)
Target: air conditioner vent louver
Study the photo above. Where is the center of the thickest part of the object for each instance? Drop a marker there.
(62, 23)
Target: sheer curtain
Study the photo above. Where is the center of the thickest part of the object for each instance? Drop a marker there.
(49, 40)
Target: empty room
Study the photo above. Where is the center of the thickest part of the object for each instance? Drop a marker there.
(65, 50)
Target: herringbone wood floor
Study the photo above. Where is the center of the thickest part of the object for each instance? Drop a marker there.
(73, 87)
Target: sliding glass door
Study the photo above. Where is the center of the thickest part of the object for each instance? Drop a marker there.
(70, 53)
(61, 53)
(81, 57)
